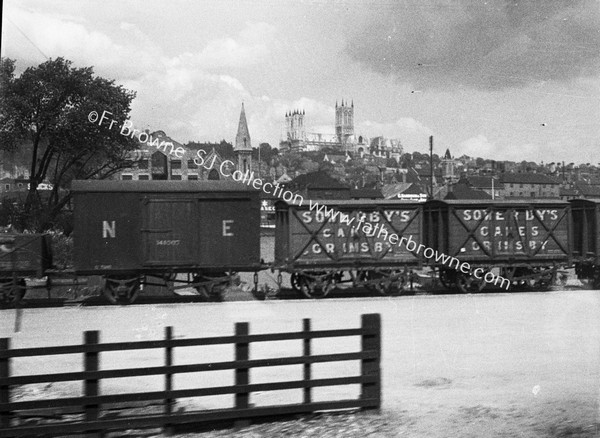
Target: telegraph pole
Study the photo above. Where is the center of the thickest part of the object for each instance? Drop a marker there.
(431, 166)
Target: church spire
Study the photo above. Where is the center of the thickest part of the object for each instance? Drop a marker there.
(242, 139)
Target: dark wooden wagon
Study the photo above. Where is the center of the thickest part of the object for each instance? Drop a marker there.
(525, 242)
(586, 240)
(321, 250)
(133, 231)
(21, 256)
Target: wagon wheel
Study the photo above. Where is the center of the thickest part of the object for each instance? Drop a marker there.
(11, 292)
(447, 278)
(517, 282)
(296, 281)
(469, 284)
(121, 290)
(401, 283)
(596, 280)
(316, 285)
(380, 281)
(205, 291)
(209, 290)
(544, 281)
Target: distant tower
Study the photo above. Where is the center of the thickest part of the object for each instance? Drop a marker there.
(344, 121)
(294, 122)
(449, 168)
(243, 148)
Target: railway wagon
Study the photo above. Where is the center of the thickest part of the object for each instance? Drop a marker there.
(21, 256)
(523, 241)
(133, 232)
(346, 241)
(585, 214)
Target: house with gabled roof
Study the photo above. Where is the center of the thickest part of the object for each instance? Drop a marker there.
(529, 185)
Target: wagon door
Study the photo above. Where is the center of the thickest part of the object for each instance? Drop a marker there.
(168, 233)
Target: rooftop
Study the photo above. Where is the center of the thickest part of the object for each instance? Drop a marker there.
(527, 178)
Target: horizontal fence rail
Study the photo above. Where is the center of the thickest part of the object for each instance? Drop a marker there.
(90, 406)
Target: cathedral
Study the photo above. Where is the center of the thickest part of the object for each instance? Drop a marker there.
(297, 139)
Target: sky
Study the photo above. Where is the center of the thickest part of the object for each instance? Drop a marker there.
(499, 79)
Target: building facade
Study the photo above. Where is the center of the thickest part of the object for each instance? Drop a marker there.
(153, 163)
(529, 185)
(297, 139)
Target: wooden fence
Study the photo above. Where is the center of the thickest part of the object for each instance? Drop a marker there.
(93, 421)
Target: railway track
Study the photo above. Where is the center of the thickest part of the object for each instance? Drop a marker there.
(61, 299)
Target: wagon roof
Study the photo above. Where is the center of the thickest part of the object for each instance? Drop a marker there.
(157, 186)
(356, 202)
(592, 200)
(501, 202)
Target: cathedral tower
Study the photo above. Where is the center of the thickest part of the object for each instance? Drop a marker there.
(344, 121)
(294, 122)
(243, 148)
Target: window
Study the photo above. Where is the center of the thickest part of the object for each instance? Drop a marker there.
(511, 185)
(192, 164)
(7, 187)
(520, 193)
(512, 194)
(126, 177)
(213, 175)
(144, 177)
(20, 185)
(175, 164)
(176, 177)
(193, 177)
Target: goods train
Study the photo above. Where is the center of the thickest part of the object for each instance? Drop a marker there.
(135, 233)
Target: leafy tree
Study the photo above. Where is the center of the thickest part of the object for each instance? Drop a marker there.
(407, 161)
(266, 152)
(45, 111)
(223, 148)
(391, 162)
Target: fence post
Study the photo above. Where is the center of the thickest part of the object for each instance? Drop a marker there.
(241, 374)
(4, 374)
(307, 365)
(371, 342)
(91, 363)
(168, 377)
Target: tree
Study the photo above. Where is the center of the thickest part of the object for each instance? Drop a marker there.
(391, 162)
(266, 152)
(45, 110)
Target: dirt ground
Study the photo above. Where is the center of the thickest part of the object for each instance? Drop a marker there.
(485, 365)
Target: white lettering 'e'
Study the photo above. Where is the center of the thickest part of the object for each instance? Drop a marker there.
(227, 228)
(108, 230)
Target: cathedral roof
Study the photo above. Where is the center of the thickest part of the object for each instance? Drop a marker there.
(242, 139)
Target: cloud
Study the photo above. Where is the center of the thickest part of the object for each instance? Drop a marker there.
(484, 45)
(251, 47)
(60, 35)
(480, 146)
(191, 96)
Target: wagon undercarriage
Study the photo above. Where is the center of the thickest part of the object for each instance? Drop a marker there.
(311, 283)
(124, 289)
(515, 276)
